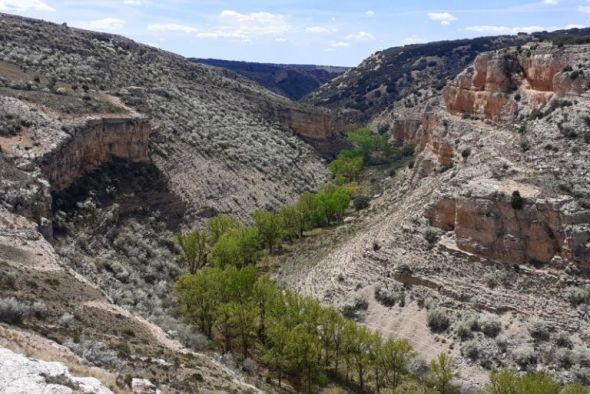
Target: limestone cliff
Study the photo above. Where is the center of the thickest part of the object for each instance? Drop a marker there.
(489, 219)
(94, 142)
(500, 83)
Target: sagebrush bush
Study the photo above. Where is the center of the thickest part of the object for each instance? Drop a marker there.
(463, 330)
(13, 311)
(581, 357)
(538, 329)
(577, 295)
(490, 325)
(385, 296)
(470, 349)
(95, 352)
(562, 339)
(438, 319)
(524, 355)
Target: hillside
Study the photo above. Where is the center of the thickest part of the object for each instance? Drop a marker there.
(488, 226)
(290, 80)
(109, 149)
(409, 75)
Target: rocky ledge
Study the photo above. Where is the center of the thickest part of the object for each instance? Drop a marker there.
(500, 83)
(515, 222)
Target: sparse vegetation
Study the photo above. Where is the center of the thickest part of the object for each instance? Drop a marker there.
(438, 319)
(490, 325)
(13, 311)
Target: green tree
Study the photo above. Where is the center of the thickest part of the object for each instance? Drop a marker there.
(303, 350)
(310, 210)
(239, 247)
(373, 147)
(348, 165)
(270, 228)
(357, 342)
(219, 225)
(395, 354)
(293, 220)
(331, 324)
(195, 248)
(199, 296)
(442, 371)
(268, 299)
(275, 353)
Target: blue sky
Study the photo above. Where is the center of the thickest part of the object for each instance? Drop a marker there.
(340, 32)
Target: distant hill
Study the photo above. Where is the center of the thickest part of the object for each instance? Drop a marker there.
(290, 80)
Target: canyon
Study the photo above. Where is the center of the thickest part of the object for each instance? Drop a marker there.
(102, 167)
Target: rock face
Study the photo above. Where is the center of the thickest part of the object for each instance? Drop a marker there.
(24, 375)
(95, 142)
(488, 221)
(500, 83)
(423, 129)
(314, 125)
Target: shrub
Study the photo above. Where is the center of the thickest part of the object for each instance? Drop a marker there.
(13, 311)
(490, 326)
(470, 350)
(463, 330)
(8, 280)
(524, 355)
(438, 319)
(538, 329)
(517, 201)
(587, 137)
(95, 352)
(577, 295)
(361, 202)
(430, 235)
(562, 339)
(581, 357)
(385, 296)
(465, 153)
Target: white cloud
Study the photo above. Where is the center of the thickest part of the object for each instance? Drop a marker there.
(584, 8)
(444, 18)
(247, 27)
(339, 44)
(575, 26)
(361, 36)
(132, 2)
(172, 27)
(25, 5)
(413, 39)
(370, 13)
(550, 2)
(104, 24)
(504, 29)
(317, 30)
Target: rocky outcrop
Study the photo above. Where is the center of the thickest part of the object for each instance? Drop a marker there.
(426, 131)
(489, 219)
(499, 83)
(312, 124)
(95, 142)
(21, 374)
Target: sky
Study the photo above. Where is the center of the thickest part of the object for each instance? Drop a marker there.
(336, 32)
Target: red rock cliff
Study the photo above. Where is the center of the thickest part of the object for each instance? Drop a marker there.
(486, 223)
(500, 82)
(93, 143)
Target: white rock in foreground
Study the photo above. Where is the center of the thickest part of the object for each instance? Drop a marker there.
(19, 374)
